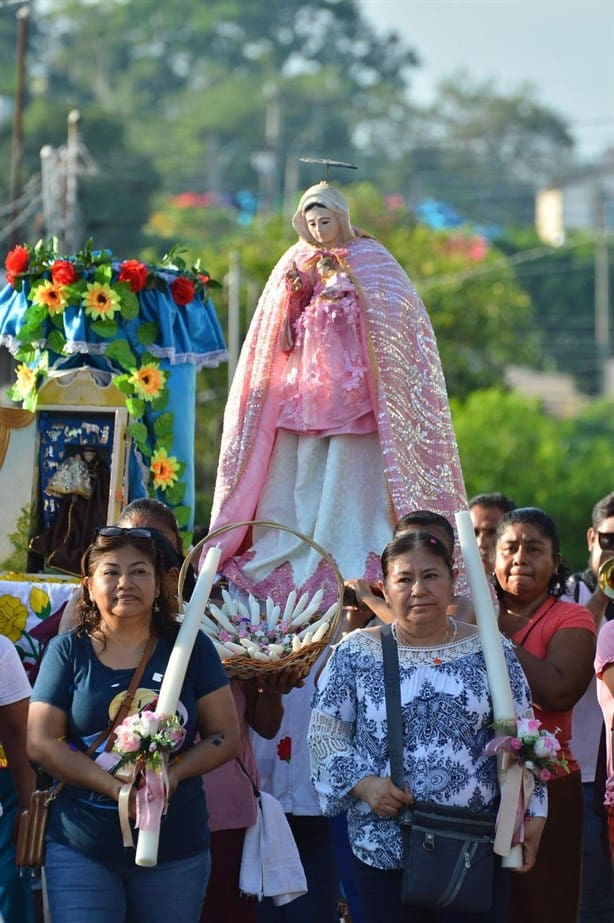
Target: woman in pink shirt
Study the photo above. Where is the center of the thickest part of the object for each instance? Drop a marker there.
(555, 644)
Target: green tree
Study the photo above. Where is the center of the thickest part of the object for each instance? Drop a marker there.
(561, 284)
(485, 151)
(196, 82)
(509, 443)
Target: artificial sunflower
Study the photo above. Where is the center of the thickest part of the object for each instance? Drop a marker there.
(25, 382)
(51, 295)
(165, 469)
(148, 381)
(101, 301)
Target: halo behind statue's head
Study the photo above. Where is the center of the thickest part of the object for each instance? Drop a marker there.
(326, 196)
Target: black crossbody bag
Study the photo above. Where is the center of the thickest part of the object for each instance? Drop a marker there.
(448, 858)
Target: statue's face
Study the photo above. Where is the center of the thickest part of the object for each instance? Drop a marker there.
(323, 225)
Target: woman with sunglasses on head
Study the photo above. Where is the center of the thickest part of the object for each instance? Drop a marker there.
(127, 619)
(555, 644)
(152, 514)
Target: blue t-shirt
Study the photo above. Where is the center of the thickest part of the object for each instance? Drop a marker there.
(73, 679)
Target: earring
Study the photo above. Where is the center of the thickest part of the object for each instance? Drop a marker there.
(156, 605)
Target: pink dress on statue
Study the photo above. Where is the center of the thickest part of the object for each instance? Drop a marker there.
(325, 388)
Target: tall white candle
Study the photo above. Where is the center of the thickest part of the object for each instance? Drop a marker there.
(147, 844)
(492, 646)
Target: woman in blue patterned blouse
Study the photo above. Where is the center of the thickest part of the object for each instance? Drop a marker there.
(447, 718)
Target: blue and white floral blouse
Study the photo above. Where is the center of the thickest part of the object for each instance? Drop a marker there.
(447, 718)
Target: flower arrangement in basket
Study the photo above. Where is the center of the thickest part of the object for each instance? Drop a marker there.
(252, 635)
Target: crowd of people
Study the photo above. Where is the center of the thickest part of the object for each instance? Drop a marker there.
(336, 432)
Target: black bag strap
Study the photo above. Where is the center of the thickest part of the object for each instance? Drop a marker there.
(392, 689)
(242, 766)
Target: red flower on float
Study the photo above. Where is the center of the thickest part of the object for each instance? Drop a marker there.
(182, 290)
(63, 272)
(16, 262)
(135, 273)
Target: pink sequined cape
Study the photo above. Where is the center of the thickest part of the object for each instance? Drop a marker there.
(408, 388)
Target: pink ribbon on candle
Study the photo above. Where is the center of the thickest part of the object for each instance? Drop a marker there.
(152, 798)
(516, 789)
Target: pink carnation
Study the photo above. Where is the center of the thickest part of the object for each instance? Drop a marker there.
(126, 740)
(527, 727)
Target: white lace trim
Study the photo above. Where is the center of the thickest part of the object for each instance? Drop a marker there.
(328, 736)
(427, 656)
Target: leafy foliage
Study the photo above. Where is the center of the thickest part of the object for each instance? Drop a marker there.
(509, 443)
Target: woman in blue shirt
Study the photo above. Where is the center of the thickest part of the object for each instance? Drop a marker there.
(90, 874)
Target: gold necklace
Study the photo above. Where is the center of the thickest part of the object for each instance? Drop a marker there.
(449, 637)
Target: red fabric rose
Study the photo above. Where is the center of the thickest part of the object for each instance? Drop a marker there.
(182, 290)
(284, 749)
(135, 273)
(17, 261)
(63, 272)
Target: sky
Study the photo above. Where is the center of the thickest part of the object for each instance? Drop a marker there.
(564, 48)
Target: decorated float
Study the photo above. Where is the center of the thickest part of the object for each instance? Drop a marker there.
(100, 411)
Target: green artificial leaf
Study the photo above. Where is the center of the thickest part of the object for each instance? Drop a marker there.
(30, 333)
(164, 441)
(147, 333)
(135, 406)
(161, 402)
(56, 342)
(163, 425)
(103, 274)
(119, 350)
(106, 329)
(123, 384)
(182, 515)
(129, 302)
(175, 493)
(26, 354)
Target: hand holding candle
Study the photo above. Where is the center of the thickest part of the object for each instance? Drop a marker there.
(147, 845)
(504, 710)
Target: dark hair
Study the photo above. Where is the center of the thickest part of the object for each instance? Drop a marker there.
(426, 518)
(163, 618)
(414, 541)
(316, 205)
(603, 509)
(155, 512)
(493, 500)
(534, 516)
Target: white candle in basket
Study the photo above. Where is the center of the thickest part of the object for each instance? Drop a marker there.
(147, 845)
(494, 658)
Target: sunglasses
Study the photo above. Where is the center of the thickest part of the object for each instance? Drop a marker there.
(116, 531)
(606, 540)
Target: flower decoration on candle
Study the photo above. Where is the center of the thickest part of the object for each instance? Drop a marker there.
(147, 738)
(144, 741)
(535, 748)
(102, 293)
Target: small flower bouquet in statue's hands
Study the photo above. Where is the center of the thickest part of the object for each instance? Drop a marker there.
(532, 746)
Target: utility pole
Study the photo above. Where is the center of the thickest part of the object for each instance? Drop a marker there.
(72, 216)
(234, 312)
(22, 16)
(602, 294)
